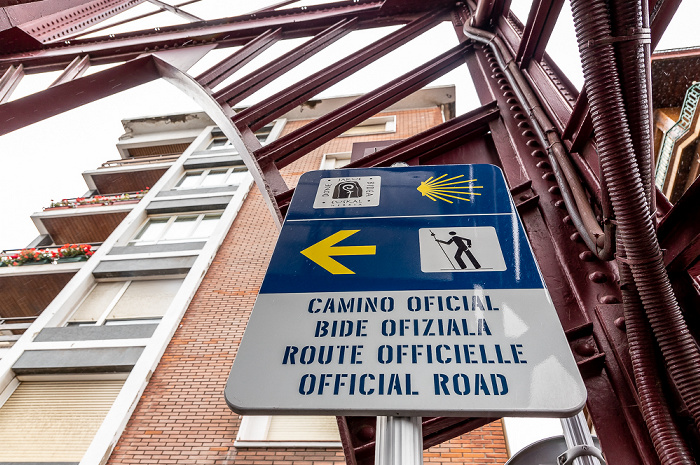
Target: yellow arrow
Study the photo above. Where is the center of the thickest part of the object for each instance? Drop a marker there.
(320, 253)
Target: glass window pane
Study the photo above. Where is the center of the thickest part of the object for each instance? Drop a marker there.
(206, 226)
(145, 299)
(189, 180)
(215, 178)
(218, 142)
(133, 321)
(152, 230)
(181, 228)
(235, 178)
(97, 301)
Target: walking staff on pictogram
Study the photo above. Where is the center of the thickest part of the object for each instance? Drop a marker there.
(463, 245)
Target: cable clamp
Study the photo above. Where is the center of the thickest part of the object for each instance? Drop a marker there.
(642, 35)
(568, 457)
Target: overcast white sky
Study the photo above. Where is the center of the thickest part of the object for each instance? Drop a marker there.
(43, 162)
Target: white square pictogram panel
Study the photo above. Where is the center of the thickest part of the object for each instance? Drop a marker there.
(460, 249)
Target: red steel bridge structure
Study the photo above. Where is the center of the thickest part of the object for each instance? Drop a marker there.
(621, 263)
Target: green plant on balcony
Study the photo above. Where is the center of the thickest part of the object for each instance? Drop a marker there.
(74, 252)
(99, 199)
(66, 253)
(28, 256)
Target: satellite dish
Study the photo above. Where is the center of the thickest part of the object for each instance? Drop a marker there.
(543, 452)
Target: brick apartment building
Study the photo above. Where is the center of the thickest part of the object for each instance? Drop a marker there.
(123, 358)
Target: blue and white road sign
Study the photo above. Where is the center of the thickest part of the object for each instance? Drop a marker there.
(404, 291)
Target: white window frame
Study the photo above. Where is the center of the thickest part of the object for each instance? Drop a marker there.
(388, 121)
(331, 161)
(203, 173)
(102, 319)
(254, 429)
(275, 127)
(171, 219)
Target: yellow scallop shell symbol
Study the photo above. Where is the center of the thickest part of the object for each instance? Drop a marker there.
(446, 189)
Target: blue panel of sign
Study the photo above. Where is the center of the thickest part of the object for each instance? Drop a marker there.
(404, 291)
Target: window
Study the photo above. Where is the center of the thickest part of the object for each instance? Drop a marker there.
(126, 302)
(211, 178)
(179, 228)
(288, 431)
(54, 421)
(376, 125)
(220, 142)
(335, 160)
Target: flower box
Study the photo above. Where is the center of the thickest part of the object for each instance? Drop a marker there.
(37, 262)
(79, 258)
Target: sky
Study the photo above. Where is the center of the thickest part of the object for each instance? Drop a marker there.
(44, 162)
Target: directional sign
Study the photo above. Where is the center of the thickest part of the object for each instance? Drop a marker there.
(404, 291)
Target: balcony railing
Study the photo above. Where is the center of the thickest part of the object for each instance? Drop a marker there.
(140, 161)
(97, 200)
(11, 329)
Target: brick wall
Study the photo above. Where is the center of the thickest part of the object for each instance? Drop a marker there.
(182, 417)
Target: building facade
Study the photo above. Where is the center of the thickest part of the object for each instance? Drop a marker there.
(124, 357)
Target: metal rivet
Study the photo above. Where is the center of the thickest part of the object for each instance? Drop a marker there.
(585, 349)
(609, 299)
(598, 277)
(586, 256)
(620, 323)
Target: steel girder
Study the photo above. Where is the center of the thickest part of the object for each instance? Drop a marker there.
(586, 291)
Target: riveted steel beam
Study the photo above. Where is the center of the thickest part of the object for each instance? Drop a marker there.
(272, 107)
(293, 146)
(256, 80)
(221, 71)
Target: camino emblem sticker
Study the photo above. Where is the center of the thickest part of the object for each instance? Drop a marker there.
(360, 191)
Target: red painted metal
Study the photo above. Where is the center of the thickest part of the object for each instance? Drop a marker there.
(291, 147)
(227, 32)
(267, 110)
(76, 69)
(586, 292)
(540, 24)
(246, 86)
(9, 81)
(222, 70)
(47, 25)
(72, 94)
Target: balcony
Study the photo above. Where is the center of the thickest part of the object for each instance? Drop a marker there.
(128, 174)
(11, 329)
(27, 288)
(85, 219)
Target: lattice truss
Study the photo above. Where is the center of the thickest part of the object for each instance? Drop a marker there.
(595, 222)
